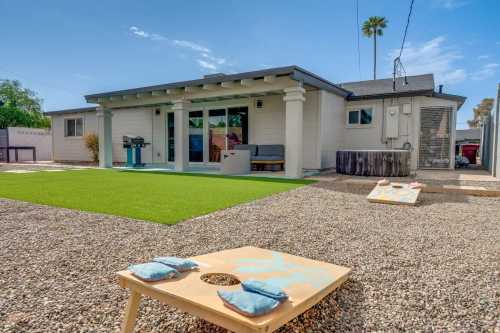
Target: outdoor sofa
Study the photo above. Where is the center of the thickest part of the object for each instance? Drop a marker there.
(265, 155)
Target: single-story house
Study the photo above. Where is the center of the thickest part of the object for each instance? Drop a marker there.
(187, 122)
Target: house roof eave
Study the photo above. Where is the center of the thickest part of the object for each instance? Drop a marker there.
(294, 72)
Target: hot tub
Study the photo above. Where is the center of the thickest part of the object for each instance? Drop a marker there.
(374, 162)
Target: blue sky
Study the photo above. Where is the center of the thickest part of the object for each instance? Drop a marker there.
(66, 49)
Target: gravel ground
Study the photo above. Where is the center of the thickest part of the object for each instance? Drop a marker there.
(433, 267)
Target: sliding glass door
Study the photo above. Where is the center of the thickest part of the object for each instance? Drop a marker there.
(226, 128)
(196, 136)
(216, 134)
(237, 126)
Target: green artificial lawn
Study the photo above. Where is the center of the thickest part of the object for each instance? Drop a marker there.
(160, 197)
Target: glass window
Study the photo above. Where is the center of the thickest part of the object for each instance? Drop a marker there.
(196, 136)
(79, 127)
(360, 117)
(353, 117)
(73, 127)
(366, 116)
(216, 134)
(237, 128)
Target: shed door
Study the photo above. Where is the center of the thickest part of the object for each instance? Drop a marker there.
(435, 128)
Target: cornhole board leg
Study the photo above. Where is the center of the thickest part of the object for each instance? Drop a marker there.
(131, 312)
(132, 309)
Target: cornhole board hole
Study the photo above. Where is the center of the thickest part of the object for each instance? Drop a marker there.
(394, 193)
(306, 281)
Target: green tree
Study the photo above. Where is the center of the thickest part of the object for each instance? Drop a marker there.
(20, 106)
(481, 111)
(373, 27)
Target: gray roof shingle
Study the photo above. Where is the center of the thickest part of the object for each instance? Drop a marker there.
(417, 83)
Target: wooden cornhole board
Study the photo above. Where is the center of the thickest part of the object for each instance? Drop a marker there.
(306, 281)
(389, 194)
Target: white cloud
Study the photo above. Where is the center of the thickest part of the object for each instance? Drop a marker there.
(157, 37)
(483, 57)
(204, 56)
(207, 65)
(458, 75)
(434, 57)
(191, 45)
(449, 4)
(485, 72)
(219, 61)
(138, 32)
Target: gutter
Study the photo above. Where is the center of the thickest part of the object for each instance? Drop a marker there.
(65, 111)
(428, 92)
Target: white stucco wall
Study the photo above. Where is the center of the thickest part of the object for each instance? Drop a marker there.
(125, 122)
(311, 132)
(373, 136)
(267, 125)
(39, 138)
(71, 148)
(331, 124)
(135, 122)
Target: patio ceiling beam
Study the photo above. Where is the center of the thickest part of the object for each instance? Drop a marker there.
(209, 86)
(128, 97)
(247, 82)
(229, 90)
(158, 92)
(173, 91)
(143, 95)
(269, 78)
(227, 84)
(191, 89)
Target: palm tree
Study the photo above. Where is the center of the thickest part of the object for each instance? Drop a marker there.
(374, 27)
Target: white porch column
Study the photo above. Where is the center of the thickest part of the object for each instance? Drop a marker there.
(104, 124)
(181, 122)
(294, 105)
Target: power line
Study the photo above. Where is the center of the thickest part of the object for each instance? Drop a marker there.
(406, 28)
(398, 64)
(357, 29)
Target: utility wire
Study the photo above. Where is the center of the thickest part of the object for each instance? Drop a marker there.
(357, 29)
(398, 64)
(406, 28)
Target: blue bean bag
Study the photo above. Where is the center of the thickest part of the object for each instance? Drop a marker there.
(265, 289)
(153, 271)
(247, 303)
(179, 264)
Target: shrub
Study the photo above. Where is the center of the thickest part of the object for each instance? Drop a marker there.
(92, 144)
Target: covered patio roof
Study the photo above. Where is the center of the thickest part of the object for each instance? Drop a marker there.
(217, 81)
